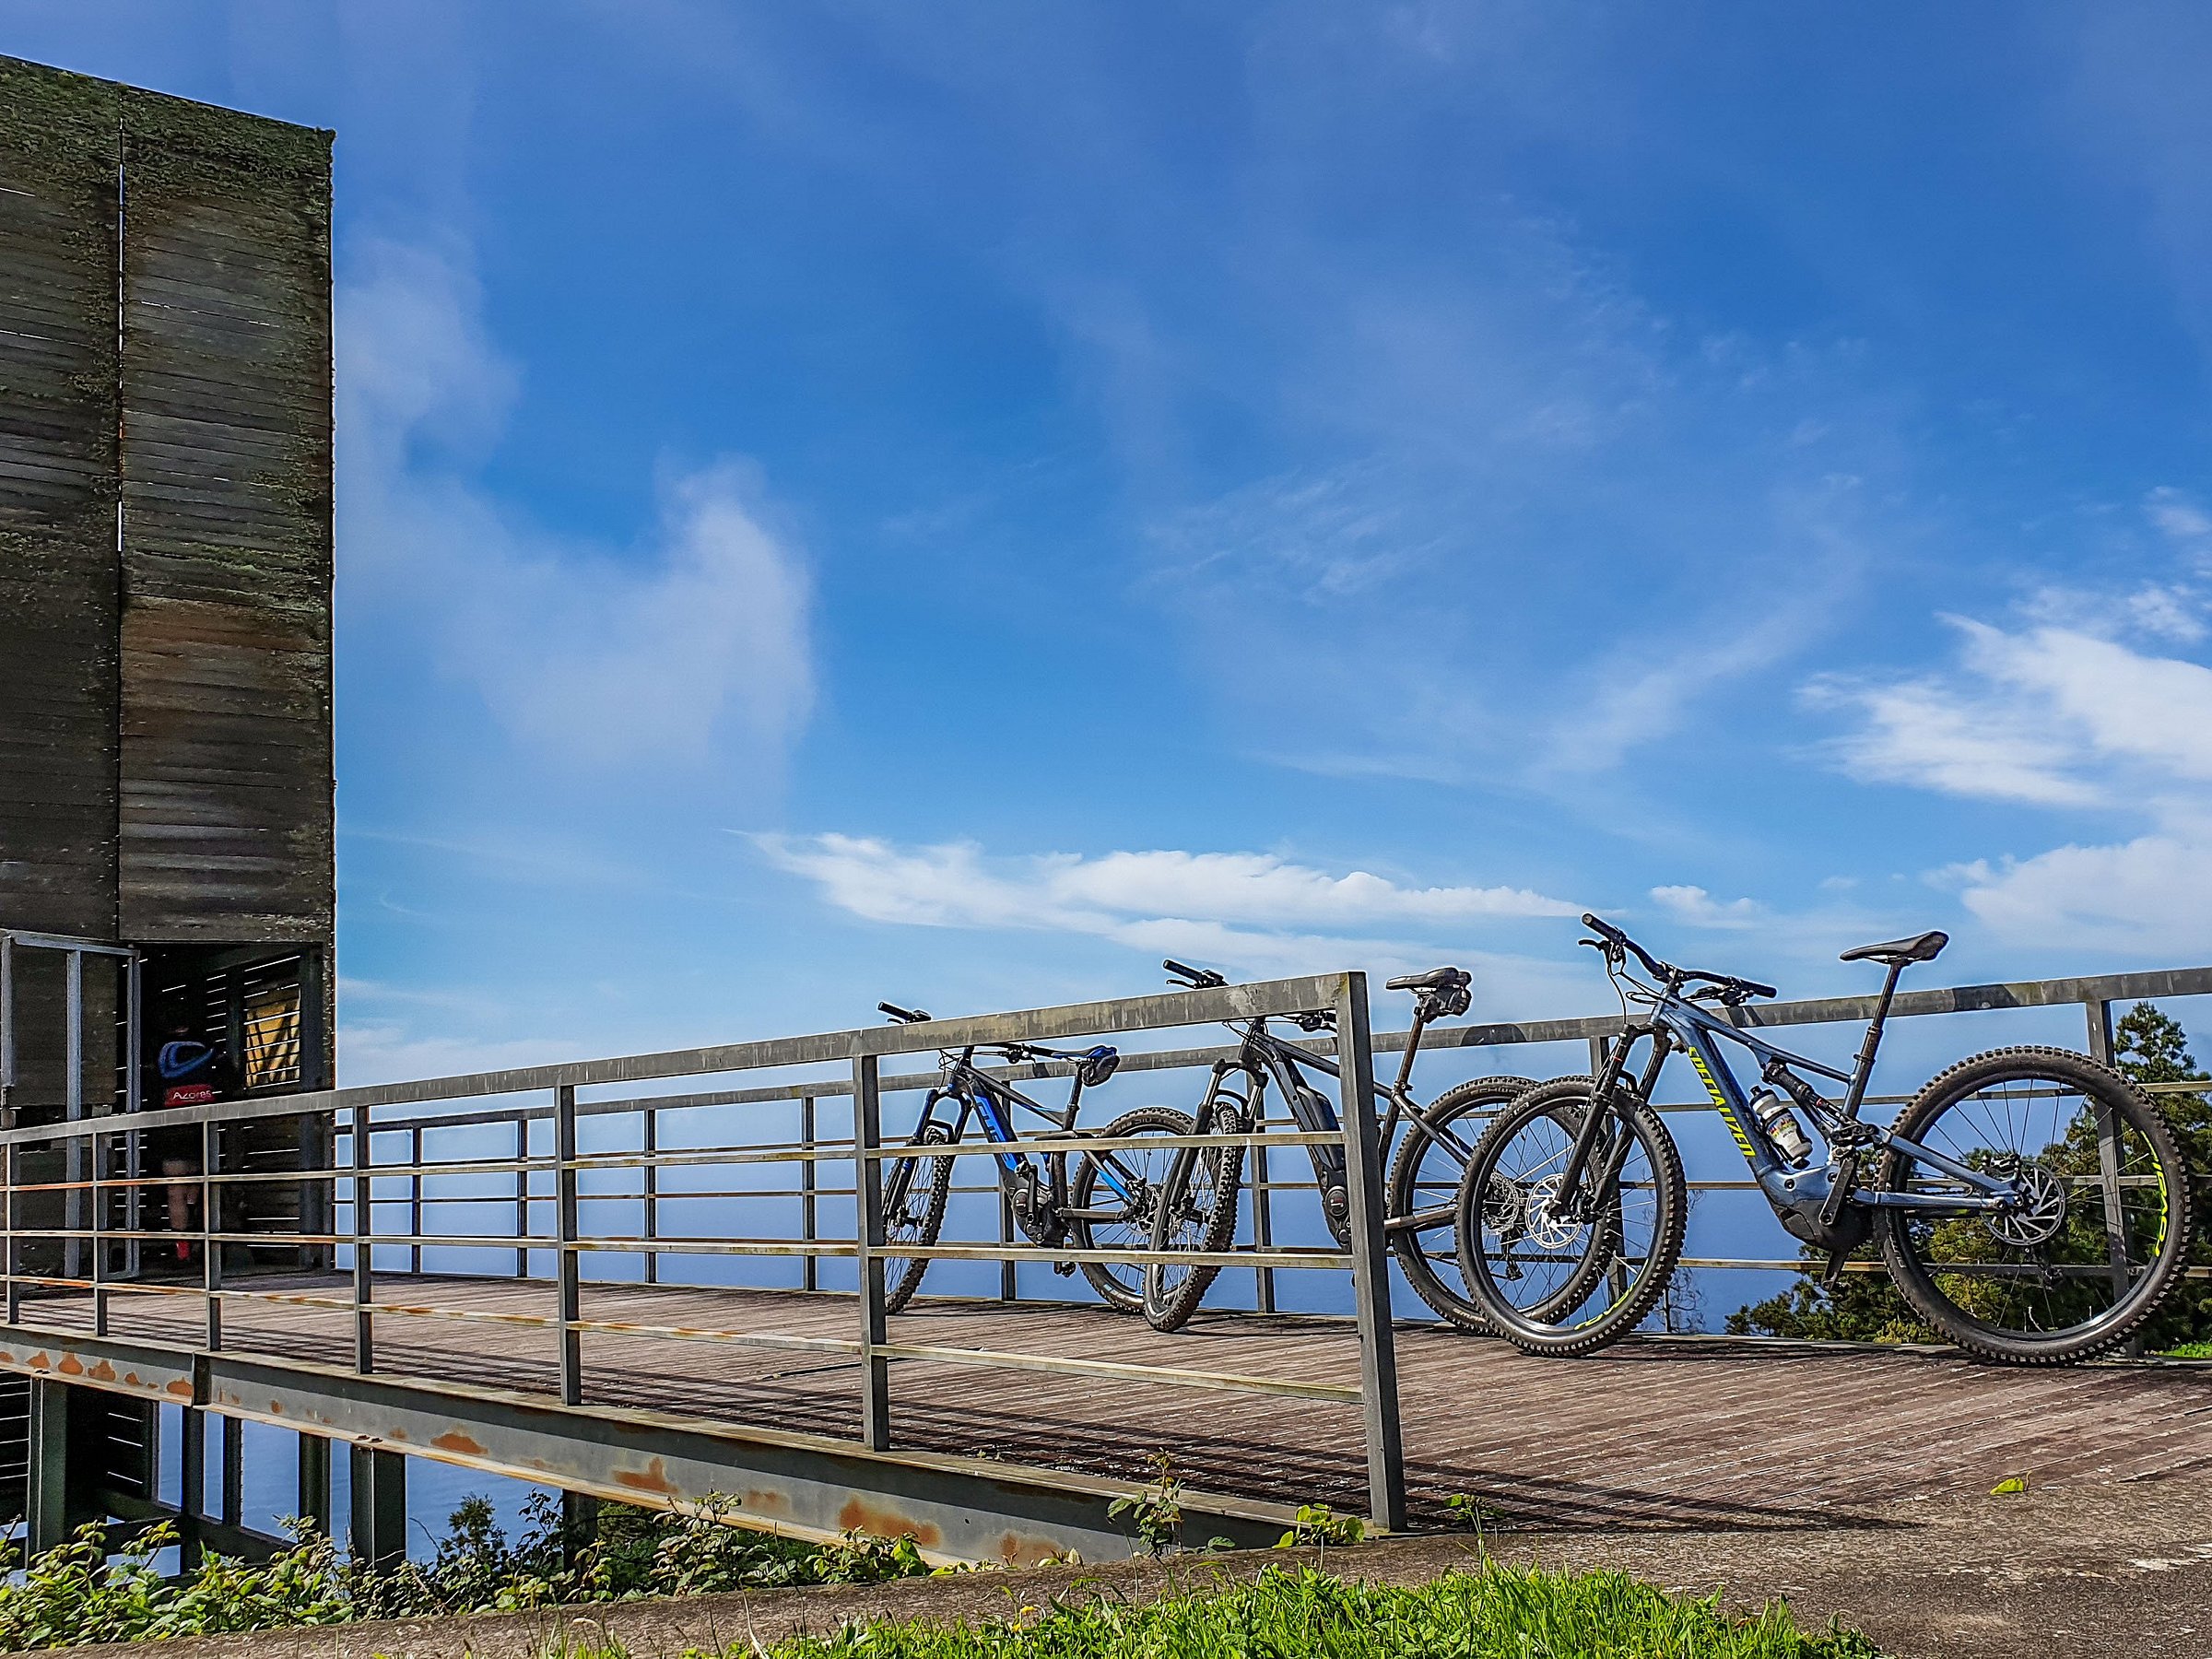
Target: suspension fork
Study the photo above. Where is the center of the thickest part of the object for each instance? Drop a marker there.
(1601, 1104)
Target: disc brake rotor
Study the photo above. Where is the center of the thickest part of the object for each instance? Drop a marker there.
(2042, 1210)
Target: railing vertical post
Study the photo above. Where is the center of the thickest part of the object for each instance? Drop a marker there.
(73, 1147)
(1262, 1223)
(415, 1201)
(314, 1483)
(649, 1142)
(10, 1167)
(99, 1246)
(364, 1234)
(1009, 1287)
(810, 1267)
(211, 1249)
(522, 1195)
(565, 1264)
(2108, 1154)
(1371, 1260)
(2100, 1030)
(867, 1236)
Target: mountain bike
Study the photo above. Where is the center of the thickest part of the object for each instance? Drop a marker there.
(1106, 1202)
(2030, 1204)
(1197, 1208)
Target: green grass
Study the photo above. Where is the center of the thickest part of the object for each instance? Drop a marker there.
(2190, 1350)
(1510, 1613)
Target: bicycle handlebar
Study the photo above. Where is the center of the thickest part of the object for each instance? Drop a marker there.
(1615, 944)
(904, 1015)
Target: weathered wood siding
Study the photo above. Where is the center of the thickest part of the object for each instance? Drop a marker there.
(59, 576)
(165, 671)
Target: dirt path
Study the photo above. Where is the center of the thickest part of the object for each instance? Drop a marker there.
(2081, 1573)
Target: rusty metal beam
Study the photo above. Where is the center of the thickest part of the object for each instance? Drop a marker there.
(956, 1508)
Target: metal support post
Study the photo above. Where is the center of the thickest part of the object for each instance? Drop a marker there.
(364, 1235)
(191, 1495)
(49, 1483)
(649, 1141)
(234, 1472)
(1008, 1286)
(566, 1289)
(867, 1234)
(1371, 1260)
(380, 1506)
(211, 1250)
(810, 1267)
(99, 1246)
(522, 1195)
(1263, 1223)
(1598, 1047)
(415, 1200)
(73, 1148)
(2100, 1030)
(579, 1525)
(10, 1168)
(314, 1482)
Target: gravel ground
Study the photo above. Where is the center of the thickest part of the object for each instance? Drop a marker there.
(2072, 1573)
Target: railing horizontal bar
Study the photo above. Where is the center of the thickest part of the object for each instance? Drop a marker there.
(968, 1148)
(1280, 1256)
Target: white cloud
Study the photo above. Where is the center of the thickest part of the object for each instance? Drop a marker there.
(1253, 909)
(2152, 894)
(2057, 716)
(1700, 908)
(672, 653)
(2181, 518)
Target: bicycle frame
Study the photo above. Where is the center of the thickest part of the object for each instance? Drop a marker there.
(989, 1101)
(1822, 1186)
(1266, 1056)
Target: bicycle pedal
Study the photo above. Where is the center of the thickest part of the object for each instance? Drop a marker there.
(1063, 1268)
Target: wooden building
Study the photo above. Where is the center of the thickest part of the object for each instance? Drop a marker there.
(165, 593)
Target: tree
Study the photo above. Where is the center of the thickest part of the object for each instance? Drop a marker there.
(2149, 1046)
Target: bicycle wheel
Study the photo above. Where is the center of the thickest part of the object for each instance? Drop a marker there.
(1196, 1212)
(914, 1192)
(1424, 1189)
(2098, 1248)
(1141, 1170)
(1553, 1283)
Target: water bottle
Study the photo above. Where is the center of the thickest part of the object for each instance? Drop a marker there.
(1781, 1127)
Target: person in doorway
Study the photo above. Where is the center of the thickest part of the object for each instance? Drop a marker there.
(191, 1073)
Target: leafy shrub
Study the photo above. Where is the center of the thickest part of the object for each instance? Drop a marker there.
(79, 1591)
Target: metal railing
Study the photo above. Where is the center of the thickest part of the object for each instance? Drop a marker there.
(547, 1183)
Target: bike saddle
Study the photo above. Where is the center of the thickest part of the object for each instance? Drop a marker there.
(1436, 979)
(1925, 947)
(1097, 1065)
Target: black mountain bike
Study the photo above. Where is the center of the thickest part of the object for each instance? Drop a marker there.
(2030, 1204)
(1105, 1203)
(1197, 1208)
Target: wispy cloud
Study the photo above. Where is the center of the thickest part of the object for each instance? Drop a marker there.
(693, 643)
(1700, 908)
(2063, 717)
(1248, 908)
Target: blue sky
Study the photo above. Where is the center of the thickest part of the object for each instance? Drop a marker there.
(952, 504)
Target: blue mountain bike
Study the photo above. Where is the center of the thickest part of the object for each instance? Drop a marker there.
(2030, 1204)
(1104, 1203)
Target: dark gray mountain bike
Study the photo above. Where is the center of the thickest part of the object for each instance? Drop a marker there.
(1197, 1209)
(1103, 1203)
(2030, 1204)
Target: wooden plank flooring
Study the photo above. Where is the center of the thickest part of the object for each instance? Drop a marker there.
(1669, 1431)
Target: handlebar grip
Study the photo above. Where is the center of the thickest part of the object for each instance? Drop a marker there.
(1756, 989)
(904, 1016)
(1200, 978)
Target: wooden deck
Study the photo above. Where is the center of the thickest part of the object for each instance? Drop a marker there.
(1665, 1433)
